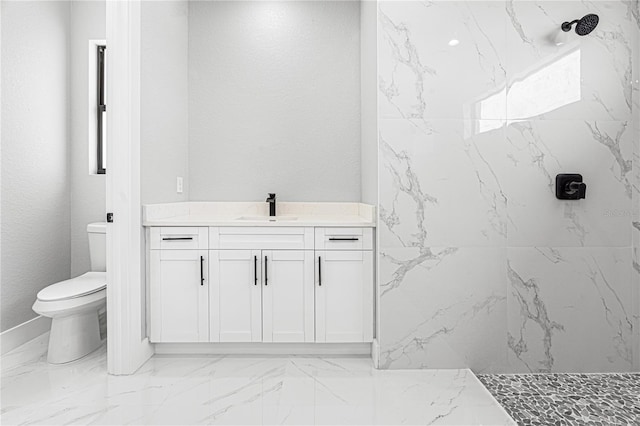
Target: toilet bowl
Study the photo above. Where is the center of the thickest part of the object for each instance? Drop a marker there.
(73, 305)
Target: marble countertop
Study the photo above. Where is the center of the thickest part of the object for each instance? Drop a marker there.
(197, 213)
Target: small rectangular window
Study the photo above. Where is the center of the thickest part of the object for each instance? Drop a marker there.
(101, 116)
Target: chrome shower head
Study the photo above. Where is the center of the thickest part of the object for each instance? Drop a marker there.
(584, 25)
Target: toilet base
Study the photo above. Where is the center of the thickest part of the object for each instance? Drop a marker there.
(73, 336)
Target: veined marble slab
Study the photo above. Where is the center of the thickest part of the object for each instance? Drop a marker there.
(241, 390)
(231, 213)
(479, 109)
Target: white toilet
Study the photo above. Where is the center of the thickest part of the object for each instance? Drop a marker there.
(73, 305)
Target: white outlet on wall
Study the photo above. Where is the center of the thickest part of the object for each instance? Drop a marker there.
(179, 184)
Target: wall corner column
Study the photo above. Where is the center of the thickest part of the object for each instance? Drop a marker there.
(128, 348)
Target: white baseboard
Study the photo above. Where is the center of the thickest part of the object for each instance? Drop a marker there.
(375, 353)
(22, 333)
(263, 349)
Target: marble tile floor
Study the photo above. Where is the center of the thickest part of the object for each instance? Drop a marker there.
(568, 399)
(237, 390)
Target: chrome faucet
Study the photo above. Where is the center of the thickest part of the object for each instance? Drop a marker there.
(272, 204)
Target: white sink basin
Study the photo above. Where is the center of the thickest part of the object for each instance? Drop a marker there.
(267, 218)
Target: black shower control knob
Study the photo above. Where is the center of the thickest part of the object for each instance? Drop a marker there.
(570, 187)
(578, 188)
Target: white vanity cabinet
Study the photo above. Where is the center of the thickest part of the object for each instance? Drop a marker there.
(250, 284)
(235, 296)
(344, 285)
(261, 284)
(261, 296)
(287, 296)
(344, 296)
(179, 288)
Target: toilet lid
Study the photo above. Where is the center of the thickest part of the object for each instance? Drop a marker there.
(83, 285)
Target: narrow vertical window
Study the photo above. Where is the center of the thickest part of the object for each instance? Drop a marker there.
(101, 113)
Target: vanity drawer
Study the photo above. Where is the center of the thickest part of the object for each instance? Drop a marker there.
(179, 238)
(260, 238)
(344, 239)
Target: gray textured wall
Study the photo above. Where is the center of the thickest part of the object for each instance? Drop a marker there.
(36, 245)
(274, 100)
(369, 101)
(87, 190)
(164, 133)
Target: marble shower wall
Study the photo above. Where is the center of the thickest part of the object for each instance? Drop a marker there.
(480, 265)
(634, 9)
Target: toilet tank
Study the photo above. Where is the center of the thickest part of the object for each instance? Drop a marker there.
(98, 246)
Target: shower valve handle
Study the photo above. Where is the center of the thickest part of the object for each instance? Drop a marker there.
(578, 188)
(570, 187)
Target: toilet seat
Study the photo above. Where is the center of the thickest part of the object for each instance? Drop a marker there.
(84, 285)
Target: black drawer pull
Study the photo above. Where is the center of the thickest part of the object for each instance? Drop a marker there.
(255, 270)
(266, 275)
(201, 270)
(319, 271)
(177, 239)
(344, 239)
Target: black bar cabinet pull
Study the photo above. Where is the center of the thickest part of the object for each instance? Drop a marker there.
(266, 275)
(255, 270)
(319, 271)
(177, 239)
(201, 270)
(344, 239)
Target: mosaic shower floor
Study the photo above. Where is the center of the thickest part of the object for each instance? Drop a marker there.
(568, 399)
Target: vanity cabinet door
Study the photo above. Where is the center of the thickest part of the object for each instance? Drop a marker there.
(179, 293)
(344, 296)
(287, 296)
(235, 296)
